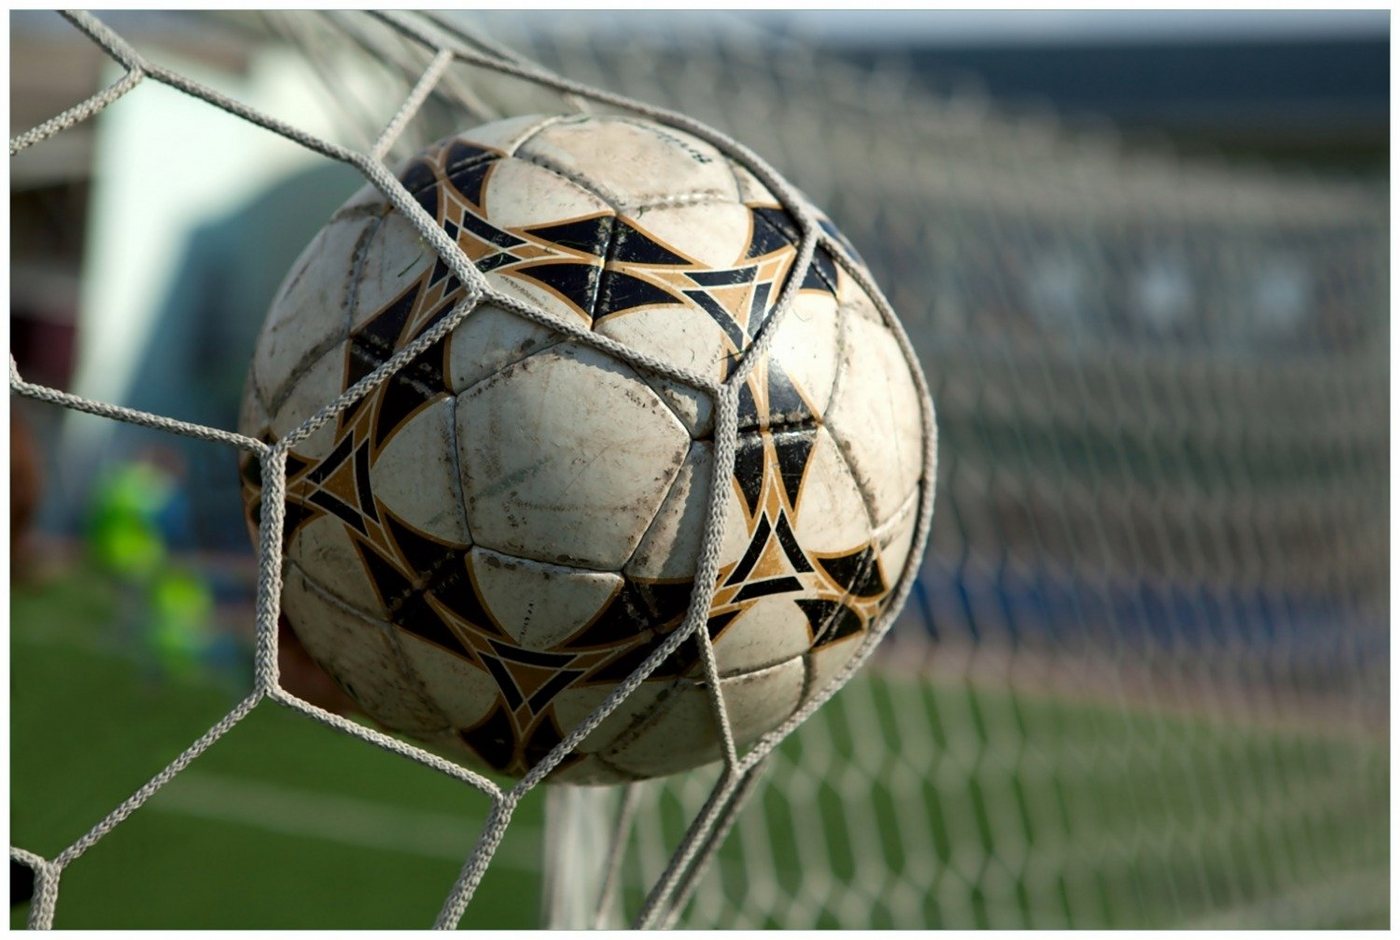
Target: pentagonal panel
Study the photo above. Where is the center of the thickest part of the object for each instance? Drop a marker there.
(539, 605)
(415, 475)
(875, 416)
(682, 732)
(309, 313)
(358, 654)
(566, 457)
(634, 164)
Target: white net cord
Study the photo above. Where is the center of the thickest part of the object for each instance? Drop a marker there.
(448, 47)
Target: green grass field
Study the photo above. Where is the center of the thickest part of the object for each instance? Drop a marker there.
(1021, 811)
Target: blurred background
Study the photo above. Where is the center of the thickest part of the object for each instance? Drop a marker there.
(1143, 680)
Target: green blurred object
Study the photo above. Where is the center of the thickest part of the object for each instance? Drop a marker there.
(124, 533)
(179, 631)
(171, 605)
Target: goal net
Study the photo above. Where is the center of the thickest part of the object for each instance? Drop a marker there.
(1141, 679)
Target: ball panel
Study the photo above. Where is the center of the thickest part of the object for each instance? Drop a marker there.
(632, 163)
(826, 661)
(488, 340)
(539, 605)
(875, 416)
(359, 655)
(521, 195)
(321, 548)
(505, 135)
(769, 631)
(855, 300)
(309, 313)
(590, 770)
(896, 538)
(566, 456)
(830, 514)
(710, 235)
(806, 346)
(684, 338)
(576, 704)
(253, 419)
(314, 389)
(751, 191)
(681, 732)
(415, 475)
(461, 691)
(392, 265)
(671, 546)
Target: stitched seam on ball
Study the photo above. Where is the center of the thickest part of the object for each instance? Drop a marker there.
(698, 197)
(457, 471)
(606, 252)
(385, 627)
(507, 366)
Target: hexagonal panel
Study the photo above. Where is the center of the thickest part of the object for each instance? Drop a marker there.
(566, 456)
(309, 312)
(415, 475)
(682, 733)
(671, 545)
(538, 604)
(488, 340)
(634, 163)
(875, 416)
(462, 692)
(505, 135)
(358, 654)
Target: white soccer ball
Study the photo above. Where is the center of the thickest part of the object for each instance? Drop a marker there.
(486, 545)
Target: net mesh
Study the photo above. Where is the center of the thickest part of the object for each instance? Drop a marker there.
(447, 45)
(1142, 678)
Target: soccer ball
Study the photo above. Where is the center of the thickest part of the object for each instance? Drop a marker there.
(483, 548)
